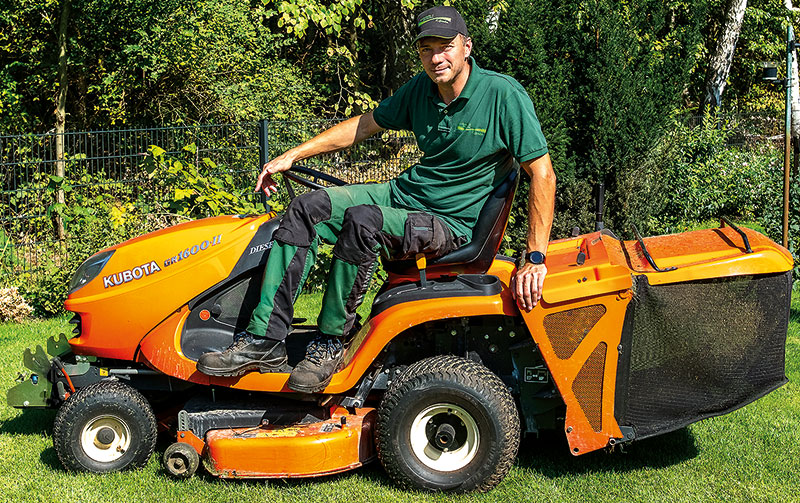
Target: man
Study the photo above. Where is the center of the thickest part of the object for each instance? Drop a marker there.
(467, 121)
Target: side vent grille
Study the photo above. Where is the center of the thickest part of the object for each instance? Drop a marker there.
(567, 329)
(76, 320)
(588, 387)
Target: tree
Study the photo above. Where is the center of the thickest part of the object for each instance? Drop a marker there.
(207, 61)
(762, 38)
(720, 64)
(61, 109)
(28, 64)
(795, 90)
(605, 78)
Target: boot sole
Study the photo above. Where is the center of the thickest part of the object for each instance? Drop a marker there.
(310, 389)
(262, 367)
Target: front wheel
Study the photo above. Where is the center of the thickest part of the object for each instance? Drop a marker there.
(107, 426)
(448, 424)
(181, 460)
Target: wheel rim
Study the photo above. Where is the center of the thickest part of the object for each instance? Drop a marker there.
(178, 463)
(430, 438)
(106, 438)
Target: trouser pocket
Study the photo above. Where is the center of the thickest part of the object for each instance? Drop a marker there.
(425, 233)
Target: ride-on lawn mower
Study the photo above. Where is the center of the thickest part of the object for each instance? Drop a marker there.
(631, 339)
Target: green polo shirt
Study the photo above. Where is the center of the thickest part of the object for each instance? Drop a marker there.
(465, 144)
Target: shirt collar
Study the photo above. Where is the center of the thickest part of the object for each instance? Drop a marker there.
(472, 82)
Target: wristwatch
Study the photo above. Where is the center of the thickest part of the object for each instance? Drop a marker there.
(535, 257)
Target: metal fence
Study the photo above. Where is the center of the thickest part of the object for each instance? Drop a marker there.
(745, 130)
(109, 166)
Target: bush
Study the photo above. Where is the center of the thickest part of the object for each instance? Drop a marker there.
(771, 218)
(707, 180)
(692, 175)
(12, 306)
(47, 290)
(99, 212)
(176, 185)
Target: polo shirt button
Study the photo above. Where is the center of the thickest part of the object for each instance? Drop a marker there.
(445, 111)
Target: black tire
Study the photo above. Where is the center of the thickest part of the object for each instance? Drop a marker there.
(105, 427)
(181, 460)
(458, 404)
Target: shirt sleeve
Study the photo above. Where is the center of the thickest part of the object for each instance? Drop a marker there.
(395, 111)
(520, 128)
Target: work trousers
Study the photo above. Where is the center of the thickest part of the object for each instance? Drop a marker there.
(362, 223)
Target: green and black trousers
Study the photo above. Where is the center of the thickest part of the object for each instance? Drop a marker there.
(362, 223)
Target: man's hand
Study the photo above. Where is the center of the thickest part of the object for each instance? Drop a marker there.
(527, 286)
(265, 180)
(343, 135)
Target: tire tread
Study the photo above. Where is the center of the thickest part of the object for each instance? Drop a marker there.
(68, 416)
(468, 373)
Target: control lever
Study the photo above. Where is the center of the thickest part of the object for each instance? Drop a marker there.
(422, 264)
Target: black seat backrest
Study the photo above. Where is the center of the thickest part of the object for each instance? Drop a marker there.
(477, 255)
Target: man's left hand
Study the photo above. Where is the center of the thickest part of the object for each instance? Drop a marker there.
(528, 282)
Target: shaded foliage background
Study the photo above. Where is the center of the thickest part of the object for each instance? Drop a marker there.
(612, 83)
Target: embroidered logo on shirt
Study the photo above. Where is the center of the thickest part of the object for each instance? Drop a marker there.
(467, 128)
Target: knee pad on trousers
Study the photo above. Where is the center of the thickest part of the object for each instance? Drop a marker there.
(361, 227)
(303, 213)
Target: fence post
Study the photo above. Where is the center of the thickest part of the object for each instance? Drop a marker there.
(263, 150)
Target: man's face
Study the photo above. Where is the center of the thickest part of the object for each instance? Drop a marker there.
(444, 59)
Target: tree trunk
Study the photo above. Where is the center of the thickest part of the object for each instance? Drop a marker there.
(795, 88)
(720, 65)
(61, 110)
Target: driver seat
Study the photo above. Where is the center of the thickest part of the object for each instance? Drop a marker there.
(476, 256)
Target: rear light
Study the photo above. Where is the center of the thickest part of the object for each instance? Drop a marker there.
(89, 270)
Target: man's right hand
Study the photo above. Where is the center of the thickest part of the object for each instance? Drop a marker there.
(265, 181)
(343, 135)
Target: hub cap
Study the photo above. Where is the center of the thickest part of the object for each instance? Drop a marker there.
(105, 438)
(444, 437)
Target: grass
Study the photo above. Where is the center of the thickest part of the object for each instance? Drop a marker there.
(752, 454)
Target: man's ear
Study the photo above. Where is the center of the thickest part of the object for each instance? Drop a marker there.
(467, 48)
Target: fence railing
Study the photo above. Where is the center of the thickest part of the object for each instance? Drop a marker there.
(109, 165)
(745, 129)
(106, 159)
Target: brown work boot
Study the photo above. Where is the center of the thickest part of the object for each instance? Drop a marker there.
(247, 352)
(314, 373)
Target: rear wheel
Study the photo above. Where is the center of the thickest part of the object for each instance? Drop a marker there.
(104, 427)
(448, 424)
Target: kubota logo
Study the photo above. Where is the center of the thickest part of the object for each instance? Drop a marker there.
(152, 267)
(131, 274)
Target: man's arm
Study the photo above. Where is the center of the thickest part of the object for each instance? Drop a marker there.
(340, 136)
(541, 204)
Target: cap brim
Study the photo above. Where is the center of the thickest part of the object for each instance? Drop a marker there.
(438, 33)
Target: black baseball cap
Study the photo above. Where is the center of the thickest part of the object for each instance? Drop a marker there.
(442, 22)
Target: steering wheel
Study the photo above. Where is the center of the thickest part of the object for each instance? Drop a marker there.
(309, 177)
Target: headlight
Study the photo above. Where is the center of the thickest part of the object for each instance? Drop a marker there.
(89, 270)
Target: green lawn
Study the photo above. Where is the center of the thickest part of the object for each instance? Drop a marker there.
(752, 454)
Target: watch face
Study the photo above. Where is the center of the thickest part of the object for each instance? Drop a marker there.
(536, 257)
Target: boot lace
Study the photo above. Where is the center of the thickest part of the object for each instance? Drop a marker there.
(240, 340)
(323, 348)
